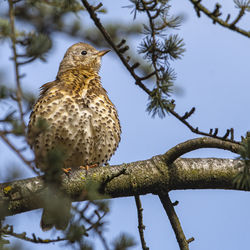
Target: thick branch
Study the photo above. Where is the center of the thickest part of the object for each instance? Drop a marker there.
(136, 178)
(197, 143)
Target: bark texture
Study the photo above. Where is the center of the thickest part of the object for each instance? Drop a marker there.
(136, 178)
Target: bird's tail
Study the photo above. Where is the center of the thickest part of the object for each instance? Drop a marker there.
(57, 215)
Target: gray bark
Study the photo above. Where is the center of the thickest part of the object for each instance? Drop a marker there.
(136, 178)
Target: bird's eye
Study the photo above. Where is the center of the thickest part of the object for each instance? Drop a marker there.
(84, 52)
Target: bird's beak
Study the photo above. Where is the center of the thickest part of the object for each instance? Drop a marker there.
(103, 52)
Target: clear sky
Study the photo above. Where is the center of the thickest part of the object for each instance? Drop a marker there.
(214, 77)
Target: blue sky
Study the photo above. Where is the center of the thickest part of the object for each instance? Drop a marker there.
(214, 77)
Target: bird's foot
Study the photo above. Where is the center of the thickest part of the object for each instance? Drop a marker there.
(87, 167)
(66, 171)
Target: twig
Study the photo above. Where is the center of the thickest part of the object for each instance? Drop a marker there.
(13, 39)
(28, 163)
(187, 114)
(98, 24)
(141, 227)
(99, 233)
(27, 61)
(240, 15)
(148, 76)
(197, 131)
(8, 230)
(96, 223)
(174, 220)
(199, 7)
(6, 132)
(152, 26)
(138, 80)
(110, 178)
(93, 225)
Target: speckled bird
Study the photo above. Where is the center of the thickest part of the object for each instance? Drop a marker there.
(78, 112)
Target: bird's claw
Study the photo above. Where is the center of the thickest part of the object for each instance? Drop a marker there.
(67, 171)
(87, 167)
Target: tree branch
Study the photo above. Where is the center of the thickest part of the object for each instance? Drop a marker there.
(197, 143)
(13, 40)
(239, 16)
(138, 79)
(141, 227)
(174, 220)
(8, 230)
(141, 177)
(107, 37)
(19, 154)
(196, 130)
(199, 7)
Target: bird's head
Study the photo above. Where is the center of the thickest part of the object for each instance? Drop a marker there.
(82, 55)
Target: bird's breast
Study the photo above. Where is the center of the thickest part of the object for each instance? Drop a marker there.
(87, 128)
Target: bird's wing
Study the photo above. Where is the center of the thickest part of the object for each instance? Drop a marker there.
(49, 92)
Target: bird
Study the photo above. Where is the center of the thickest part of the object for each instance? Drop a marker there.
(79, 118)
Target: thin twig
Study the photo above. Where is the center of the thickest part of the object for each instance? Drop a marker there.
(99, 233)
(98, 24)
(7, 132)
(13, 40)
(174, 220)
(240, 15)
(93, 225)
(152, 26)
(27, 61)
(196, 129)
(141, 227)
(198, 6)
(28, 163)
(8, 230)
(148, 76)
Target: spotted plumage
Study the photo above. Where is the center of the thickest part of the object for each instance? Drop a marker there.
(80, 117)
